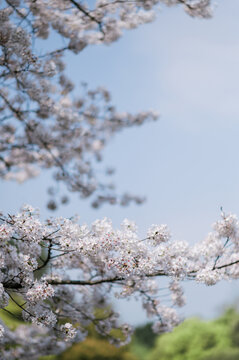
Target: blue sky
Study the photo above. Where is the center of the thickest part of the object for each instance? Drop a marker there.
(186, 163)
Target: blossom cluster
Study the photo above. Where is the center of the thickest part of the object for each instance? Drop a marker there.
(45, 123)
(106, 262)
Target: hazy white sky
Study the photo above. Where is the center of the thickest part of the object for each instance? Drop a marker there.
(186, 163)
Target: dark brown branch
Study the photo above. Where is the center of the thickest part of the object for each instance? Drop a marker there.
(23, 17)
(87, 13)
(218, 257)
(227, 265)
(21, 307)
(12, 314)
(85, 282)
(97, 282)
(48, 258)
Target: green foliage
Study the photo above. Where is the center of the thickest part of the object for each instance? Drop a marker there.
(194, 340)
(145, 335)
(143, 341)
(12, 315)
(140, 351)
(96, 349)
(229, 354)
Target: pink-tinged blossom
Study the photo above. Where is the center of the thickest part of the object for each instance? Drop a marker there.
(177, 293)
(47, 124)
(211, 247)
(68, 330)
(168, 320)
(159, 234)
(75, 129)
(28, 263)
(228, 227)
(209, 276)
(39, 291)
(45, 318)
(108, 262)
(129, 225)
(4, 298)
(6, 231)
(1, 331)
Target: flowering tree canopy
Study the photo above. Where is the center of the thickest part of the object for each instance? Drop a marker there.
(89, 264)
(60, 272)
(44, 123)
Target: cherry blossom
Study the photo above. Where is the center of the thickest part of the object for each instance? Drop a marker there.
(90, 264)
(46, 122)
(59, 271)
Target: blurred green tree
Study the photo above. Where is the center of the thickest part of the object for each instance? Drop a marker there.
(145, 335)
(96, 349)
(200, 340)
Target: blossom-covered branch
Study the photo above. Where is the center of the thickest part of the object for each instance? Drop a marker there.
(58, 272)
(45, 122)
(87, 265)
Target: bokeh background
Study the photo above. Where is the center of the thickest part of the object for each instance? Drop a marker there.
(186, 164)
